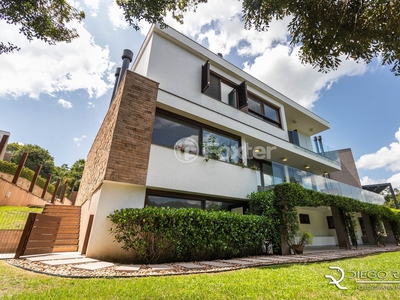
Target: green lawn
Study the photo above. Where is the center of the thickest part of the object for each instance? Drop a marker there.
(298, 281)
(14, 217)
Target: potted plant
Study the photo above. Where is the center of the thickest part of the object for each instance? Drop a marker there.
(303, 238)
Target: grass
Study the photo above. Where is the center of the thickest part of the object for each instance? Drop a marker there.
(14, 217)
(297, 281)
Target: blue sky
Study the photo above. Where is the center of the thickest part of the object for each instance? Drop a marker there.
(57, 96)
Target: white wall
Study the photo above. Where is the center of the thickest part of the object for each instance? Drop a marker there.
(214, 178)
(111, 196)
(318, 225)
(184, 79)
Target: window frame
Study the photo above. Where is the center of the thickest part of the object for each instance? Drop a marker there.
(185, 196)
(331, 222)
(262, 115)
(201, 126)
(304, 219)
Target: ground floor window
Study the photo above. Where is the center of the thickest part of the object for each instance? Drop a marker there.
(178, 200)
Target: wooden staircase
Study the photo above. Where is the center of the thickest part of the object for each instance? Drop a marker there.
(68, 235)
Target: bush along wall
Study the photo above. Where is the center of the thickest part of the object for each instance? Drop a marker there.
(169, 234)
(282, 200)
(11, 168)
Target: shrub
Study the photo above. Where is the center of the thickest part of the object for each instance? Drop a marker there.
(169, 234)
(11, 168)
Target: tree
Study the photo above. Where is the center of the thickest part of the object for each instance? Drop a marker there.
(389, 201)
(325, 30)
(70, 176)
(45, 20)
(37, 155)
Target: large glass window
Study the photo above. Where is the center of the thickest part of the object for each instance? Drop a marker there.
(172, 132)
(158, 199)
(161, 201)
(221, 147)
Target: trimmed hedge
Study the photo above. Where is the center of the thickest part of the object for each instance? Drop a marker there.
(11, 168)
(169, 234)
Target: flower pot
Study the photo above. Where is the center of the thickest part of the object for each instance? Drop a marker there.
(298, 249)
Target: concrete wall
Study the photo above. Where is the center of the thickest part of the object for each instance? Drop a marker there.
(349, 173)
(24, 183)
(318, 225)
(111, 196)
(13, 195)
(215, 178)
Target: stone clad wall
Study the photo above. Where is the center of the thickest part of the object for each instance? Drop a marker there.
(120, 151)
(130, 149)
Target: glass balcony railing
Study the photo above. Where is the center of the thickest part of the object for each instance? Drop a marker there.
(331, 155)
(318, 183)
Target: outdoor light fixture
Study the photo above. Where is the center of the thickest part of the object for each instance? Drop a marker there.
(284, 159)
(257, 150)
(307, 166)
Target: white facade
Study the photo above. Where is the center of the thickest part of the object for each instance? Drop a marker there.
(175, 62)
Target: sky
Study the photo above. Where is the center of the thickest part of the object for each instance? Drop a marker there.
(56, 96)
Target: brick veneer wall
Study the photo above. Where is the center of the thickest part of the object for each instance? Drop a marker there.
(121, 149)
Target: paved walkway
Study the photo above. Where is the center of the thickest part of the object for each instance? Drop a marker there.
(73, 264)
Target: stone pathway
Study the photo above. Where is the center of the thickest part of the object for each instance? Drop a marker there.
(74, 264)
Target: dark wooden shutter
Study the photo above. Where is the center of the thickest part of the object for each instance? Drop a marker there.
(205, 76)
(242, 92)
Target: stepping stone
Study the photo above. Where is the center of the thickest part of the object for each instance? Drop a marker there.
(60, 262)
(238, 262)
(94, 266)
(54, 256)
(190, 266)
(296, 257)
(264, 261)
(161, 267)
(216, 264)
(128, 268)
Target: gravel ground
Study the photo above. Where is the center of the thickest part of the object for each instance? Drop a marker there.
(145, 270)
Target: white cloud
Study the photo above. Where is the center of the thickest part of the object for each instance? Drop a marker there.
(93, 5)
(41, 68)
(91, 105)
(386, 157)
(218, 24)
(78, 141)
(394, 180)
(65, 104)
(116, 16)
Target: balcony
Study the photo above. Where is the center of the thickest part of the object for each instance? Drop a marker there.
(318, 148)
(321, 184)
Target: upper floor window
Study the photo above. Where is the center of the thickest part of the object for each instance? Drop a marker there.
(236, 96)
(222, 89)
(264, 111)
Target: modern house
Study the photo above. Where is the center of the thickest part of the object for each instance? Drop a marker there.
(186, 128)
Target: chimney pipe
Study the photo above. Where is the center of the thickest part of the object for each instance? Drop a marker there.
(127, 56)
(316, 144)
(117, 72)
(320, 144)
